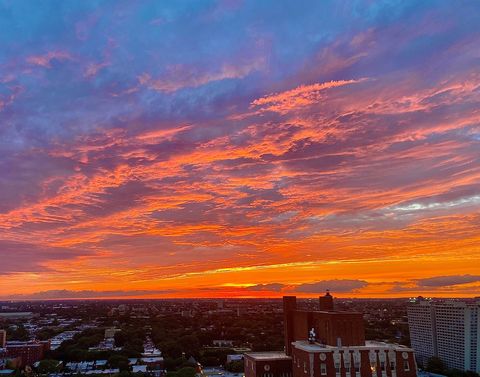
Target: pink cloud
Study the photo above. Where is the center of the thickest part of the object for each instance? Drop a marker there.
(298, 97)
(181, 76)
(94, 68)
(46, 59)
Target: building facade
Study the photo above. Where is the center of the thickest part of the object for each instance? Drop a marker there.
(421, 321)
(329, 343)
(27, 352)
(374, 359)
(448, 330)
(334, 328)
(267, 364)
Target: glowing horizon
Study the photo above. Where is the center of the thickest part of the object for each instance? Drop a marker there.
(239, 149)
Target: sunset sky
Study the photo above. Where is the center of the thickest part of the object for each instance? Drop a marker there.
(239, 148)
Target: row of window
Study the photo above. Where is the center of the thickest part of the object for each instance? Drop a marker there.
(373, 365)
(284, 374)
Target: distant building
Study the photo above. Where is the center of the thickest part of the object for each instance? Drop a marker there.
(326, 302)
(223, 343)
(16, 315)
(268, 364)
(110, 332)
(3, 338)
(329, 343)
(58, 339)
(234, 357)
(28, 352)
(449, 330)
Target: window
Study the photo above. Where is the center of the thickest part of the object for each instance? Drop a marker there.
(304, 367)
(406, 365)
(323, 369)
(357, 367)
(347, 366)
(392, 365)
(337, 367)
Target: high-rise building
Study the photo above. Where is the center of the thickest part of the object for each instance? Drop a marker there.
(421, 320)
(448, 330)
(329, 343)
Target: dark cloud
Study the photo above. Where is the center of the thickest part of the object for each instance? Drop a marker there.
(273, 287)
(189, 213)
(27, 257)
(447, 281)
(337, 285)
(340, 286)
(85, 294)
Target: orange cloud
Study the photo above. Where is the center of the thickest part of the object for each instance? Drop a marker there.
(301, 96)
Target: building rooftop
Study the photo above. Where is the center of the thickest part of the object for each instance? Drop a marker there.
(331, 312)
(151, 359)
(274, 355)
(369, 344)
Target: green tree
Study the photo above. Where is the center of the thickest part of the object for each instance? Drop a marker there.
(120, 338)
(235, 367)
(48, 366)
(435, 365)
(17, 333)
(118, 361)
(186, 372)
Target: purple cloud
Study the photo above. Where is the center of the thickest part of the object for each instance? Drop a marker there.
(58, 294)
(447, 281)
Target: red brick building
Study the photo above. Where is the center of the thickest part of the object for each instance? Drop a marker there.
(267, 364)
(334, 328)
(329, 343)
(374, 359)
(27, 352)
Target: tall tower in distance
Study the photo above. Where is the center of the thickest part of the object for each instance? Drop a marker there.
(289, 307)
(326, 302)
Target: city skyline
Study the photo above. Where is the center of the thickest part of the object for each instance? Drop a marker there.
(239, 149)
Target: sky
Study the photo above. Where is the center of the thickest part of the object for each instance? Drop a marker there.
(239, 148)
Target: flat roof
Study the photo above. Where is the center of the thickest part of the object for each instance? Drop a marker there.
(369, 344)
(328, 311)
(273, 355)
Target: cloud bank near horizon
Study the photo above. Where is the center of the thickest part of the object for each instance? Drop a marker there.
(348, 287)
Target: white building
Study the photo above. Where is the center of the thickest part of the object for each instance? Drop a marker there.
(448, 330)
(421, 320)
